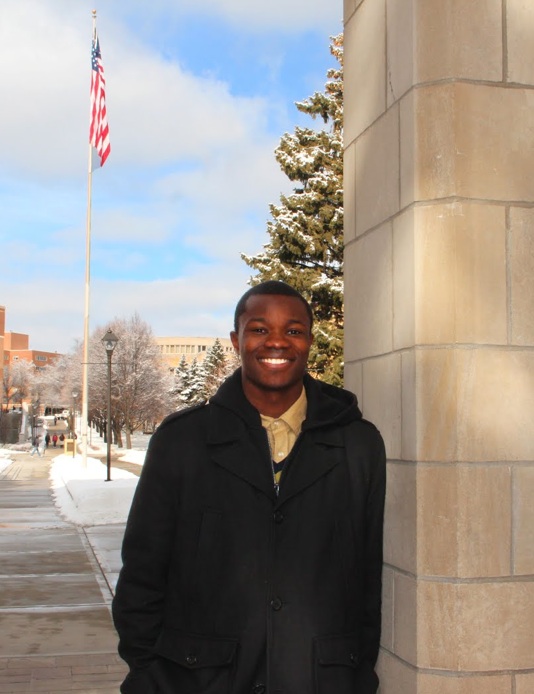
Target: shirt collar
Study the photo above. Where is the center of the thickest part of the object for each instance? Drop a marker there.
(293, 417)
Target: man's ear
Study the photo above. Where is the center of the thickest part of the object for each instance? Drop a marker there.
(235, 340)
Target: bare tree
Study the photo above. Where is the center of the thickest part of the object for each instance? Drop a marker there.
(139, 378)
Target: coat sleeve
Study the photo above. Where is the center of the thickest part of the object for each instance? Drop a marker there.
(373, 548)
(138, 605)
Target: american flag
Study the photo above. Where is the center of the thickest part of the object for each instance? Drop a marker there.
(98, 130)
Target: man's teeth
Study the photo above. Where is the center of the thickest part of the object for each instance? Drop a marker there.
(275, 361)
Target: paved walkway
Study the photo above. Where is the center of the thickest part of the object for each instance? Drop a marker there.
(56, 632)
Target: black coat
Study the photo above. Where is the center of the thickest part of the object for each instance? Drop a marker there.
(227, 588)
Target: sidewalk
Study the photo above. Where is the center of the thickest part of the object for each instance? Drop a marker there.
(56, 630)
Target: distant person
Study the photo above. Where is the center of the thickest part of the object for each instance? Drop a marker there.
(61, 438)
(35, 446)
(47, 440)
(54, 440)
(252, 557)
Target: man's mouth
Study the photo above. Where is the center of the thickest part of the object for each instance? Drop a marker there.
(275, 361)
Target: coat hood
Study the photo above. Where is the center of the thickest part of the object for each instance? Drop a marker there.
(327, 404)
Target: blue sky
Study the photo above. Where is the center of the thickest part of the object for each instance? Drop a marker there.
(199, 93)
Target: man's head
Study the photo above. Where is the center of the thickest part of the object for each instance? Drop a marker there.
(272, 288)
(273, 337)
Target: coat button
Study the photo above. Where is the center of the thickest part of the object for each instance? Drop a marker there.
(258, 689)
(278, 517)
(276, 604)
(353, 658)
(191, 659)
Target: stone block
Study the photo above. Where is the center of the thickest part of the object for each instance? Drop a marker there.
(484, 521)
(495, 399)
(400, 522)
(404, 279)
(437, 520)
(496, 626)
(467, 405)
(406, 611)
(524, 683)
(368, 290)
(396, 676)
(519, 23)
(458, 40)
(475, 627)
(431, 683)
(382, 399)
(377, 172)
(388, 577)
(349, 196)
(365, 68)
(523, 496)
(450, 266)
(521, 259)
(401, 56)
(432, 399)
(463, 144)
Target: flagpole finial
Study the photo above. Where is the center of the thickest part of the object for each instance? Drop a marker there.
(93, 13)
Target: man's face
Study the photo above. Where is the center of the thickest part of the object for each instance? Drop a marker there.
(273, 339)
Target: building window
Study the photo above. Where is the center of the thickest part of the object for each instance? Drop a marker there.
(41, 358)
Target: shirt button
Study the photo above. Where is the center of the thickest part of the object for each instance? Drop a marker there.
(278, 517)
(259, 689)
(276, 604)
(191, 659)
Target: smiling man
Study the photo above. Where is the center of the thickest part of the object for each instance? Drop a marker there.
(252, 556)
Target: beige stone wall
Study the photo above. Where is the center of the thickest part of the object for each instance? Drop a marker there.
(439, 210)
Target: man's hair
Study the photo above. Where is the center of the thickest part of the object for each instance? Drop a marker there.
(271, 287)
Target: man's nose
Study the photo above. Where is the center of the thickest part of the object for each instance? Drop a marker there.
(276, 338)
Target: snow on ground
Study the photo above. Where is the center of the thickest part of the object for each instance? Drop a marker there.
(6, 457)
(84, 497)
(82, 494)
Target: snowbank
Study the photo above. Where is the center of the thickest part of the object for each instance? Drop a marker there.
(6, 458)
(82, 494)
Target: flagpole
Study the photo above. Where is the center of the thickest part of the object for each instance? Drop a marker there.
(85, 363)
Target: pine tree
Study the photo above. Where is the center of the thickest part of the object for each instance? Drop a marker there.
(214, 367)
(306, 231)
(192, 386)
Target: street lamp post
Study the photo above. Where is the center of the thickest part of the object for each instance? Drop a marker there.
(73, 422)
(110, 341)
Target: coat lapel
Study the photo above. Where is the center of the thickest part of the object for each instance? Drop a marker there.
(318, 452)
(241, 449)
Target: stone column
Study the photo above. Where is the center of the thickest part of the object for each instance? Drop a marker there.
(439, 208)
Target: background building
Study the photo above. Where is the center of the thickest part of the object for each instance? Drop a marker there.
(174, 348)
(17, 347)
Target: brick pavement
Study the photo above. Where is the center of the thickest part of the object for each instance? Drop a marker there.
(56, 632)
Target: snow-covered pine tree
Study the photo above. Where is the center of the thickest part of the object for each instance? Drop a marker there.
(306, 231)
(192, 388)
(214, 367)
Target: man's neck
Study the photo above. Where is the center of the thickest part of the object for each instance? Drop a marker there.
(273, 403)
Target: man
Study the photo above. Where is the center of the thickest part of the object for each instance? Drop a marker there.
(252, 556)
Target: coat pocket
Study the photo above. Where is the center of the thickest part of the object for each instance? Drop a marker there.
(194, 664)
(339, 669)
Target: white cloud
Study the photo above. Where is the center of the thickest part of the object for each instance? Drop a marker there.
(191, 168)
(158, 113)
(200, 302)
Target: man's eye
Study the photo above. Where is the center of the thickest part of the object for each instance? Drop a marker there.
(294, 331)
